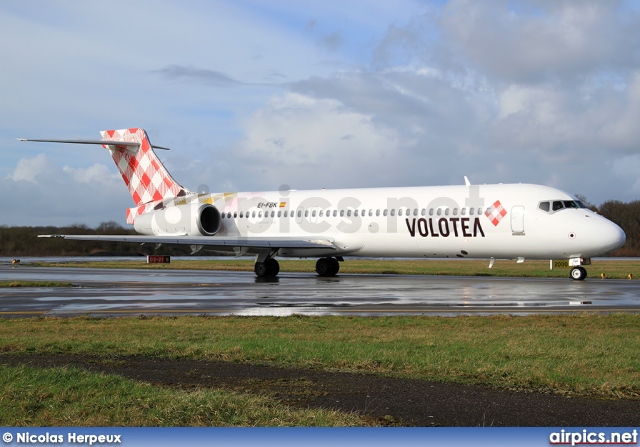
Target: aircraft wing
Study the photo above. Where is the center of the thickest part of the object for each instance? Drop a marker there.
(209, 241)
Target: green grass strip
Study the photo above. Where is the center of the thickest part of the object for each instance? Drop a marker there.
(73, 397)
(21, 283)
(589, 355)
(610, 268)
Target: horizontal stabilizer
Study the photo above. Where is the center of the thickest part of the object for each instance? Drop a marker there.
(102, 142)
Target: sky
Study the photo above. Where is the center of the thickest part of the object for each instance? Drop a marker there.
(253, 95)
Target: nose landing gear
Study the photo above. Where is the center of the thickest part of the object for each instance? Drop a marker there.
(578, 273)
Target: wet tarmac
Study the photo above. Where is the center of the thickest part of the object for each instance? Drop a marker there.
(109, 292)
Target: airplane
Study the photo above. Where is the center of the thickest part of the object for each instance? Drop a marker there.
(495, 221)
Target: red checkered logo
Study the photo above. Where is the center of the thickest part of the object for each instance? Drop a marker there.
(495, 213)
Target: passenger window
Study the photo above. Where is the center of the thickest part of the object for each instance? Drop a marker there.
(299, 213)
(439, 212)
(446, 211)
(471, 211)
(377, 212)
(370, 213)
(384, 213)
(335, 213)
(341, 213)
(479, 211)
(455, 211)
(253, 214)
(431, 212)
(545, 206)
(423, 212)
(463, 211)
(306, 213)
(399, 212)
(313, 213)
(241, 214)
(355, 213)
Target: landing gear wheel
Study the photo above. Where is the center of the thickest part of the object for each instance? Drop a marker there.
(334, 266)
(327, 267)
(267, 269)
(578, 273)
(273, 267)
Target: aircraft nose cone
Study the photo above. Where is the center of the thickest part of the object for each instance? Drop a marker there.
(614, 236)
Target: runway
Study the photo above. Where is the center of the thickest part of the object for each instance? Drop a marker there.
(109, 292)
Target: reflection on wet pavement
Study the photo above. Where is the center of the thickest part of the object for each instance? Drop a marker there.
(134, 292)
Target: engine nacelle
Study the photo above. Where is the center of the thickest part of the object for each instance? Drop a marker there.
(200, 219)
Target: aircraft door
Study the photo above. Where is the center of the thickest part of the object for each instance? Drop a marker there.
(517, 220)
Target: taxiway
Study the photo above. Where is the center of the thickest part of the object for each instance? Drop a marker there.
(109, 292)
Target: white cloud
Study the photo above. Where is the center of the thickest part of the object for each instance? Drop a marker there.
(29, 169)
(530, 41)
(96, 173)
(303, 140)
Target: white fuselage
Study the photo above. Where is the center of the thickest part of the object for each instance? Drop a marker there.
(475, 221)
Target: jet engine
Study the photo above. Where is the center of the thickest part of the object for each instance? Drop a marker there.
(200, 219)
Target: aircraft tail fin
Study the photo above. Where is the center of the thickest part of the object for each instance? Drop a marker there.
(149, 182)
(141, 169)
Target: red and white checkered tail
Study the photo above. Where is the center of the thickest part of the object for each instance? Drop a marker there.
(141, 169)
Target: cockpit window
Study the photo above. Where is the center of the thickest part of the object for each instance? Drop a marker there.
(553, 206)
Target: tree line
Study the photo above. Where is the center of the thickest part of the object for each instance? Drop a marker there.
(23, 241)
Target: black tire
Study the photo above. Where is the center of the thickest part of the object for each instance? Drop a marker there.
(260, 269)
(273, 267)
(323, 267)
(578, 273)
(327, 267)
(334, 266)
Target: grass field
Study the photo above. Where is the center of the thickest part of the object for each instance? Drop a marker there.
(593, 355)
(74, 397)
(21, 283)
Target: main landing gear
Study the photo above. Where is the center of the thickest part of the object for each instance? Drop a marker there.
(327, 267)
(268, 267)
